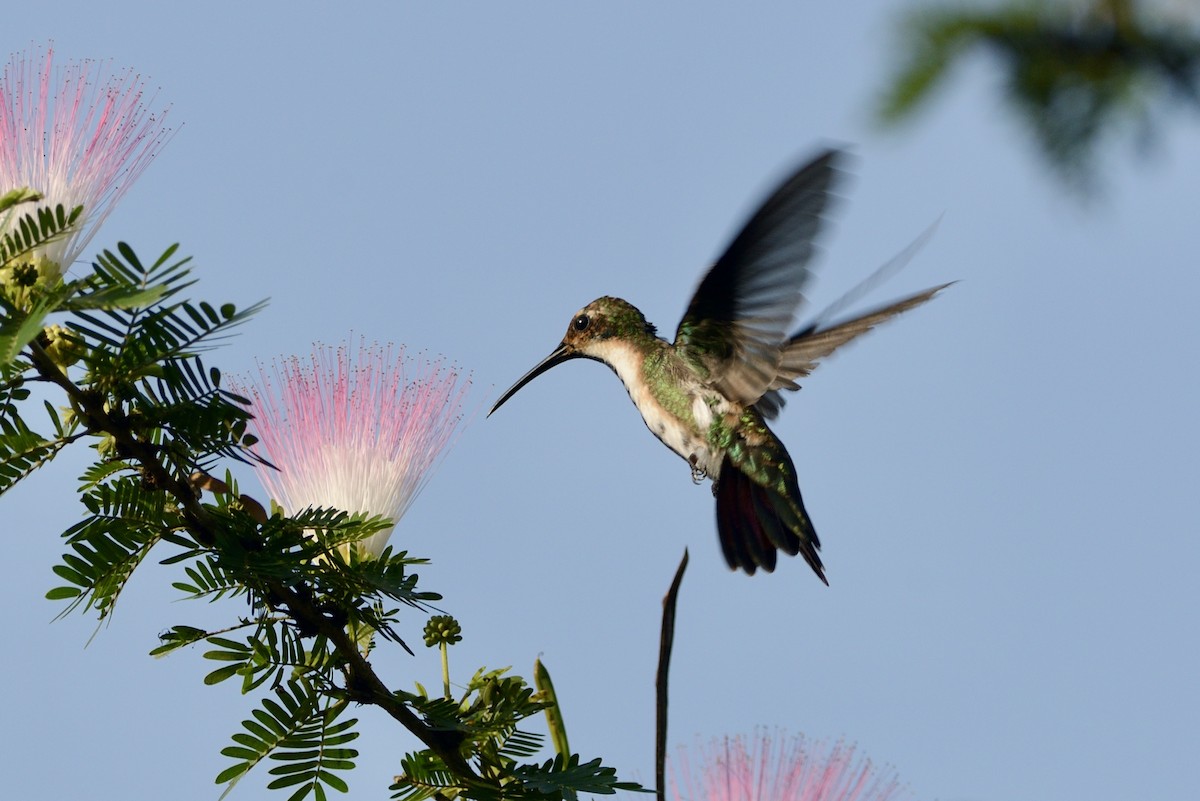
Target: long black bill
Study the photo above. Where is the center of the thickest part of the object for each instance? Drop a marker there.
(560, 355)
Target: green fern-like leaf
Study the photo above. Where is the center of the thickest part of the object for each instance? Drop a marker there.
(34, 230)
(487, 716)
(99, 568)
(424, 776)
(207, 579)
(274, 652)
(21, 450)
(227, 650)
(387, 577)
(142, 352)
(100, 472)
(559, 778)
(521, 744)
(311, 756)
(294, 730)
(112, 285)
(277, 651)
(191, 411)
(278, 719)
(126, 521)
(495, 703)
(148, 333)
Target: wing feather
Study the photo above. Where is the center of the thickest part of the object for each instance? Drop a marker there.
(744, 306)
(799, 357)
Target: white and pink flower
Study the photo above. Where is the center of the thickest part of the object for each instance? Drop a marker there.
(79, 135)
(766, 768)
(356, 431)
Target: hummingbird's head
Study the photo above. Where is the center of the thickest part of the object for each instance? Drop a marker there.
(592, 332)
(601, 320)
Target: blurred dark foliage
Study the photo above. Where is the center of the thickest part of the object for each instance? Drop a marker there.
(1074, 72)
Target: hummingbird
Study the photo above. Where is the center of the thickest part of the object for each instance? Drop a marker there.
(709, 394)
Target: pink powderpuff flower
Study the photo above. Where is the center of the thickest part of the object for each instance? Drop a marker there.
(80, 136)
(766, 768)
(360, 432)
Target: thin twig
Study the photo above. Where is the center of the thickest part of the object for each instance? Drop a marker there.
(666, 640)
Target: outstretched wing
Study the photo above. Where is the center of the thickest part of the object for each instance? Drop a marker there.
(802, 352)
(741, 313)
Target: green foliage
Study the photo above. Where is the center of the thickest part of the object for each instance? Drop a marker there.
(143, 354)
(124, 524)
(1073, 72)
(299, 729)
(207, 579)
(487, 717)
(22, 450)
(563, 777)
(275, 650)
(558, 778)
(33, 229)
(30, 286)
(125, 353)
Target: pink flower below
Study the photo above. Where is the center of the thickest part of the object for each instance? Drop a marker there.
(77, 135)
(355, 432)
(773, 769)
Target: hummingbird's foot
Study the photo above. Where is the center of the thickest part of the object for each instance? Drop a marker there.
(698, 474)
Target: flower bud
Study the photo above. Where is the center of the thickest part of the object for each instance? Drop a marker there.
(442, 629)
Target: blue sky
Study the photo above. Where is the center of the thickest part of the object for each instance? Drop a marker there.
(1003, 480)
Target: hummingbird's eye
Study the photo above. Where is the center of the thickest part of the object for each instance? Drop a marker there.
(582, 322)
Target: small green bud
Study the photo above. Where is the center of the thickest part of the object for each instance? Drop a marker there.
(442, 629)
(63, 348)
(23, 281)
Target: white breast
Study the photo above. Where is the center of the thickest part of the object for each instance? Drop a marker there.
(675, 434)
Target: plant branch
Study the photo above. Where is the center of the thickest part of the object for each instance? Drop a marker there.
(363, 684)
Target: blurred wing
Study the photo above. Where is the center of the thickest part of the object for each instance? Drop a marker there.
(808, 346)
(746, 303)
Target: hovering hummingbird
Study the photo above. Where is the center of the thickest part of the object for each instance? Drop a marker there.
(708, 396)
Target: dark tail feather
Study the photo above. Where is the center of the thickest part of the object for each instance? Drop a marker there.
(753, 523)
(743, 538)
